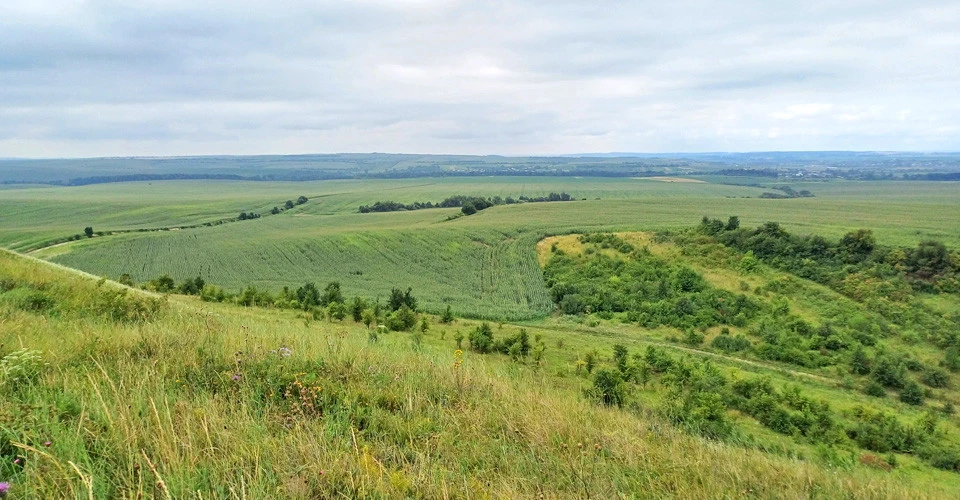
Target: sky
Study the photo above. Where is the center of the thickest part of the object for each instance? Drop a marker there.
(81, 78)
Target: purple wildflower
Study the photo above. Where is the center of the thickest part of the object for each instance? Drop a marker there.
(236, 377)
(4, 487)
(48, 443)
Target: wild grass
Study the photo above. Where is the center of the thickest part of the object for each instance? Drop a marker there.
(201, 401)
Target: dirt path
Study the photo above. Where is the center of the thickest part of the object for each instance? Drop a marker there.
(697, 352)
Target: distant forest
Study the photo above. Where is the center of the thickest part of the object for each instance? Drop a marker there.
(776, 165)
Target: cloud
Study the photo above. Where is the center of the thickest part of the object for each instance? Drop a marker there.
(172, 77)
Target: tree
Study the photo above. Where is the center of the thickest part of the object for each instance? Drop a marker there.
(357, 308)
(447, 317)
(308, 296)
(733, 223)
(163, 284)
(620, 359)
(860, 362)
(288, 204)
(301, 200)
(572, 304)
(368, 318)
(399, 298)
(332, 294)
(857, 245)
(88, 231)
(275, 210)
(481, 338)
(468, 209)
(928, 260)
(590, 361)
(336, 311)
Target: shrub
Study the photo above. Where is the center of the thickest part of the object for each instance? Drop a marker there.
(912, 394)
(874, 389)
(572, 304)
(859, 362)
(481, 338)
(936, 377)
(609, 387)
(889, 372)
(700, 412)
(730, 343)
(402, 319)
(28, 299)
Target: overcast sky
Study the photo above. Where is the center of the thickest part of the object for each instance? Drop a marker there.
(152, 77)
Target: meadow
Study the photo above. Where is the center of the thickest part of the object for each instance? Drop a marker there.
(122, 392)
(185, 399)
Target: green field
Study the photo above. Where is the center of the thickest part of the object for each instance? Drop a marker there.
(483, 265)
(150, 384)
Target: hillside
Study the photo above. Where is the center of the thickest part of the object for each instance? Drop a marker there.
(110, 392)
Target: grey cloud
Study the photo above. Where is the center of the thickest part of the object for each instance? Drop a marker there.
(179, 77)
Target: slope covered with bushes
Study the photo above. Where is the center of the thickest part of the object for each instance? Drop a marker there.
(184, 399)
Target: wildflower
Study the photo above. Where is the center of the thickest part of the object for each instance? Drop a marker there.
(16, 462)
(321, 473)
(47, 443)
(236, 377)
(284, 352)
(4, 487)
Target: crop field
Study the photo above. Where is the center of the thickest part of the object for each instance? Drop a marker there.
(483, 265)
(816, 415)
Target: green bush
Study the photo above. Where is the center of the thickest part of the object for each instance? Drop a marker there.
(481, 338)
(609, 387)
(874, 389)
(912, 394)
(731, 343)
(402, 319)
(936, 377)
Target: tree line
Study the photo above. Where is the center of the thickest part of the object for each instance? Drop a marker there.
(469, 205)
(399, 313)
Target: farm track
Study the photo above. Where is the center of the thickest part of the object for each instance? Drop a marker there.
(689, 350)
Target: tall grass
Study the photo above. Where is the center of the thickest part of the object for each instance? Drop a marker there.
(220, 402)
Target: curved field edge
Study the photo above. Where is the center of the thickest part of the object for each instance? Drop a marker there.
(164, 408)
(483, 273)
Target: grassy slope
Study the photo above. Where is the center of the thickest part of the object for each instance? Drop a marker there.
(150, 409)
